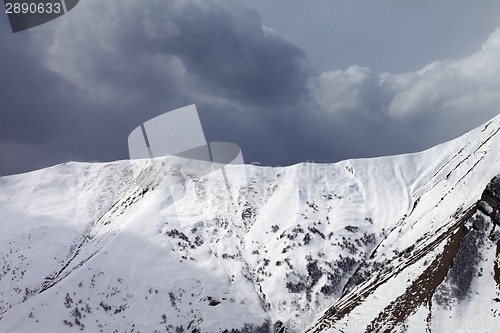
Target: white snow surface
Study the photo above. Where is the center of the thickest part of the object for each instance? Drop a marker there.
(115, 247)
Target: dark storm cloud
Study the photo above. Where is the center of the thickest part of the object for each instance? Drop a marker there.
(110, 66)
(229, 49)
(211, 48)
(77, 91)
(21, 74)
(33, 105)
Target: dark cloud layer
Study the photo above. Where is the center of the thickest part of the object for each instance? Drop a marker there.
(98, 73)
(76, 91)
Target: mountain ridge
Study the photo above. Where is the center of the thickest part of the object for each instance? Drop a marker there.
(104, 247)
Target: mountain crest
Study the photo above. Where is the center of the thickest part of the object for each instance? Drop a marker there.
(399, 243)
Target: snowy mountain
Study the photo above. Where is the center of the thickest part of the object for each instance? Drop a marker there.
(406, 243)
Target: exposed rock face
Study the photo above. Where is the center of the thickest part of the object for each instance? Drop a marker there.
(491, 196)
(446, 280)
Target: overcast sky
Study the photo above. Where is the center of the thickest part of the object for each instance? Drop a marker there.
(288, 81)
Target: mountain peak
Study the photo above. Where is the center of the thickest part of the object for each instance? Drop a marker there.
(406, 242)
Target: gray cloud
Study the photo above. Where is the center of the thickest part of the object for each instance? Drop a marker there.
(213, 49)
(386, 114)
(75, 93)
(113, 65)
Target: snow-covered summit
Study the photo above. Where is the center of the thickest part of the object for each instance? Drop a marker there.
(398, 243)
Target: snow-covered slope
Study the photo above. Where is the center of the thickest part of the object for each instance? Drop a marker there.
(392, 244)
